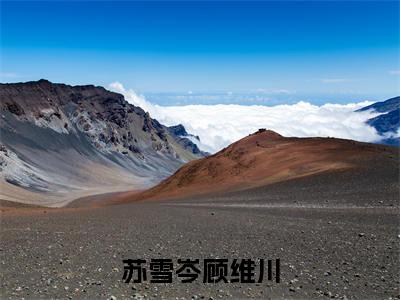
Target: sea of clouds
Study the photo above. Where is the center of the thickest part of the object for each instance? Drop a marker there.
(220, 125)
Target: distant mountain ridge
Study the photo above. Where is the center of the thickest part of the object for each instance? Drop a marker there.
(384, 106)
(187, 140)
(59, 140)
(388, 123)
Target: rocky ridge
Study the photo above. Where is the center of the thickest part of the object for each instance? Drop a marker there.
(87, 124)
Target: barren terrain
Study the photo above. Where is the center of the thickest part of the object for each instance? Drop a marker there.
(337, 235)
(330, 214)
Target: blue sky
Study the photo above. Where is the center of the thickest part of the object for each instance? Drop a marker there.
(325, 50)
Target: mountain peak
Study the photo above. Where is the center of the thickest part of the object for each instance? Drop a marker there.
(260, 159)
(267, 133)
(54, 124)
(261, 137)
(43, 81)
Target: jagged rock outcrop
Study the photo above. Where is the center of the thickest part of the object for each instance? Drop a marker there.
(186, 140)
(54, 132)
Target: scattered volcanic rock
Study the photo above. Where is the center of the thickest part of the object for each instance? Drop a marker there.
(262, 159)
(59, 141)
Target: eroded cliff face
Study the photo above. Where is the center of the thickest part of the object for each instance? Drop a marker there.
(58, 141)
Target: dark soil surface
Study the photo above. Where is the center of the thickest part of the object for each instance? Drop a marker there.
(334, 240)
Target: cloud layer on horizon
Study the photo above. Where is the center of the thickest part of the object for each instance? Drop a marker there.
(220, 125)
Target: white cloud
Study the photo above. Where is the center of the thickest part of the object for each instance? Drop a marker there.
(335, 80)
(220, 125)
(394, 72)
(132, 97)
(274, 91)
